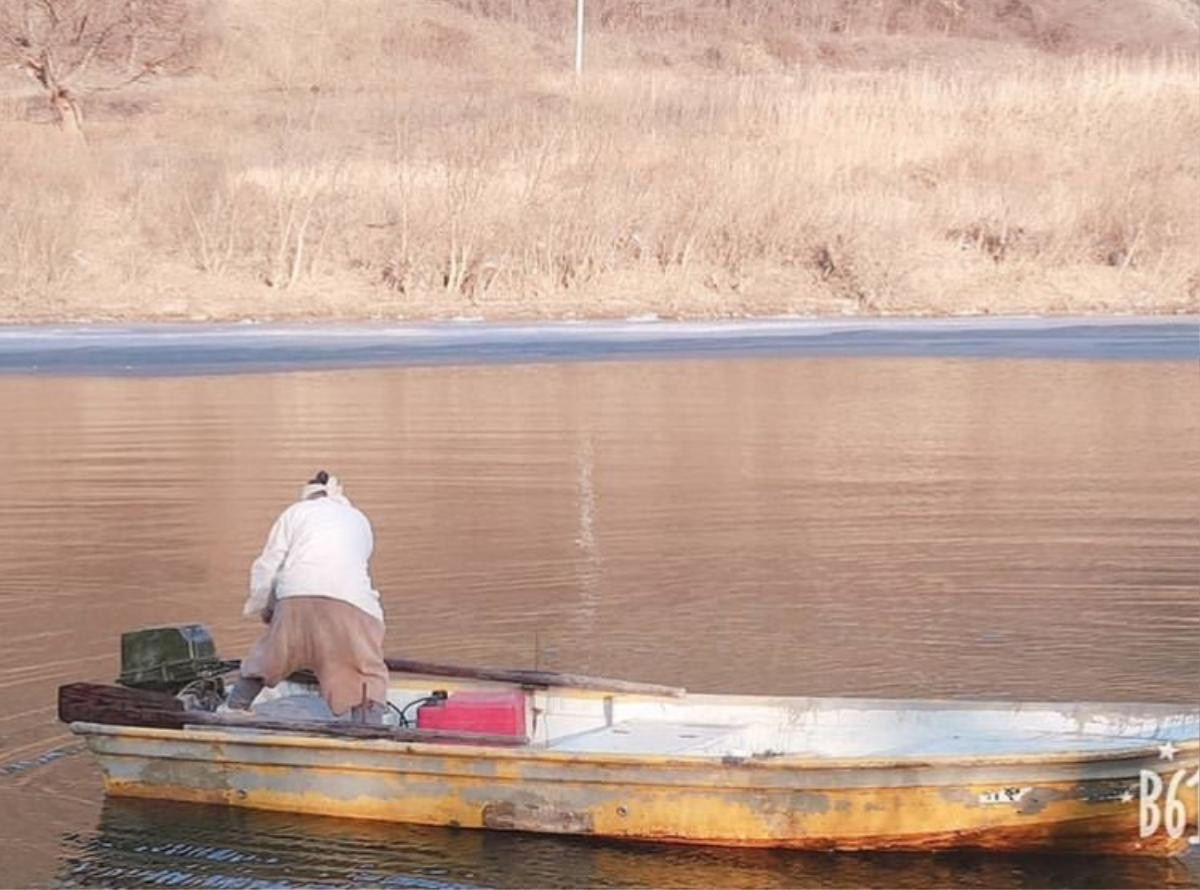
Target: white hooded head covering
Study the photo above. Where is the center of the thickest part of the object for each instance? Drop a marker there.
(323, 483)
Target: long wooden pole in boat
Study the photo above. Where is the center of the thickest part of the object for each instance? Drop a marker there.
(543, 679)
(531, 678)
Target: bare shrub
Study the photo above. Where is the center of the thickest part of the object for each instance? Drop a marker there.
(40, 227)
(997, 239)
(214, 204)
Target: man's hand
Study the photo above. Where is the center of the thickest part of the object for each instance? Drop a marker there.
(269, 612)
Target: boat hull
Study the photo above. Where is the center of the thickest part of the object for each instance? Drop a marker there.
(1057, 803)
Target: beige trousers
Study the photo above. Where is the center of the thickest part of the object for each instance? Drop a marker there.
(338, 642)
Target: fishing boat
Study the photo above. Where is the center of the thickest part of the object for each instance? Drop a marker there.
(567, 754)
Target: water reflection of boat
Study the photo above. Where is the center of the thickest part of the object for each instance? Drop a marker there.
(828, 774)
(156, 843)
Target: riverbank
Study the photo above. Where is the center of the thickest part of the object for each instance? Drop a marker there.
(430, 162)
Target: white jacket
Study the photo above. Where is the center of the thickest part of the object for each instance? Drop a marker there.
(317, 547)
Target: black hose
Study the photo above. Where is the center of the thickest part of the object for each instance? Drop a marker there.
(437, 696)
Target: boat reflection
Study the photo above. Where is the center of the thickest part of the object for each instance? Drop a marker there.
(155, 843)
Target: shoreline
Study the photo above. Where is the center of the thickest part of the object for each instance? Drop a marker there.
(547, 315)
(792, 319)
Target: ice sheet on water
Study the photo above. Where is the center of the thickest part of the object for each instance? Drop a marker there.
(173, 349)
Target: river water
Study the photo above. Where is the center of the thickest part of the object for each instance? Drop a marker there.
(870, 520)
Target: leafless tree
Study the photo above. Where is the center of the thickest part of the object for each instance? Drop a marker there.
(72, 47)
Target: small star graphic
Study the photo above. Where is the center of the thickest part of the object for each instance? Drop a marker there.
(1127, 796)
(1166, 751)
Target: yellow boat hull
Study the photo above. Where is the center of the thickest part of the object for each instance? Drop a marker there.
(1057, 802)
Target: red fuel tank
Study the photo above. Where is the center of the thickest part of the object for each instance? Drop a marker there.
(498, 713)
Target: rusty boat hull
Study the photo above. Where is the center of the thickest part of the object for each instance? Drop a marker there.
(818, 774)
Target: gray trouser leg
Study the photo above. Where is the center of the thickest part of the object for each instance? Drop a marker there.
(243, 693)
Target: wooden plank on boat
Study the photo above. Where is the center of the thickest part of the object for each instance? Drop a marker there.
(532, 678)
(119, 706)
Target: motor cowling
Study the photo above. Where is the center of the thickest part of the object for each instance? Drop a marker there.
(167, 659)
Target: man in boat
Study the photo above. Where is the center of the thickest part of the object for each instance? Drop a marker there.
(312, 588)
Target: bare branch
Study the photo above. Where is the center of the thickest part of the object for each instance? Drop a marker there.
(149, 69)
(51, 11)
(38, 70)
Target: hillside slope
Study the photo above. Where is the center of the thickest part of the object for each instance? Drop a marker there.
(329, 158)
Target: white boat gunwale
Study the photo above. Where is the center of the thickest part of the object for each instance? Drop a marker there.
(259, 738)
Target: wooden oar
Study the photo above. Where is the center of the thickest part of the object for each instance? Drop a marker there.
(119, 706)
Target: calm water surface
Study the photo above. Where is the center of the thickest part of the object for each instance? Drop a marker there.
(1016, 529)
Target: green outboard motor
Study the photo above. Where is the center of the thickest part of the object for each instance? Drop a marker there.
(170, 659)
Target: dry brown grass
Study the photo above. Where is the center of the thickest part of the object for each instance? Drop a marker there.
(375, 159)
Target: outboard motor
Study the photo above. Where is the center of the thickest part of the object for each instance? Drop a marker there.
(181, 660)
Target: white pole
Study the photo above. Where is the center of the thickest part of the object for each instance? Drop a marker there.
(579, 36)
